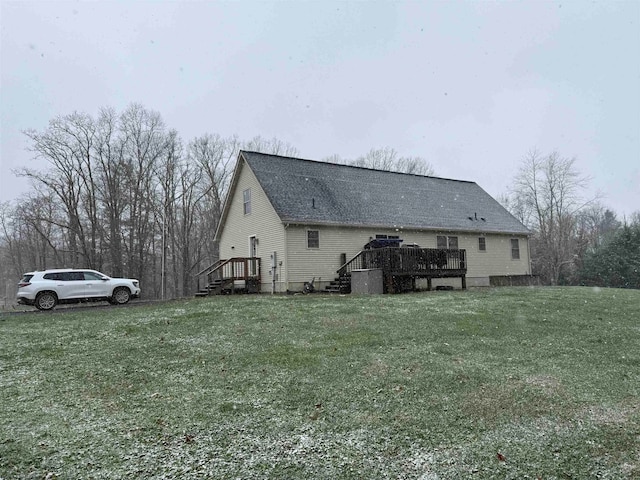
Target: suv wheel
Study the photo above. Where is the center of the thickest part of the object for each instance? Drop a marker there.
(121, 295)
(46, 300)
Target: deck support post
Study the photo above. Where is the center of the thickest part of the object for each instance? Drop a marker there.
(429, 284)
(464, 282)
(233, 278)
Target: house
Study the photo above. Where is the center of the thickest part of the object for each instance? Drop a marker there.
(287, 221)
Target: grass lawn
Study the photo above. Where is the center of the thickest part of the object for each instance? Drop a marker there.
(501, 383)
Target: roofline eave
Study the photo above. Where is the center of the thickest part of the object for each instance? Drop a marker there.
(291, 221)
(227, 200)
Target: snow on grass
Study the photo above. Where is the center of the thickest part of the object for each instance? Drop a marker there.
(430, 386)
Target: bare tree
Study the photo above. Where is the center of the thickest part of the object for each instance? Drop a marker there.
(119, 192)
(378, 158)
(62, 147)
(547, 192)
(273, 146)
(415, 166)
(144, 142)
(387, 159)
(111, 186)
(12, 249)
(215, 158)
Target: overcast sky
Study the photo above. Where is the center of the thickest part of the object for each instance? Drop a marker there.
(471, 87)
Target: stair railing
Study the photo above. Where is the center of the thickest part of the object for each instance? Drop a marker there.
(236, 268)
(204, 273)
(355, 263)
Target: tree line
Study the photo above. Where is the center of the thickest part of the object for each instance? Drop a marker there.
(123, 194)
(575, 240)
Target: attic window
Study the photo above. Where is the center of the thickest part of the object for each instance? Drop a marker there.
(246, 199)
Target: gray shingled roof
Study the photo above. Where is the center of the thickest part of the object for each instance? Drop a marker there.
(312, 192)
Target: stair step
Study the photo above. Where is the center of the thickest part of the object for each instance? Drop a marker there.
(339, 285)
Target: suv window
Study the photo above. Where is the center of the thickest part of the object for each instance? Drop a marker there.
(92, 276)
(53, 276)
(26, 278)
(72, 276)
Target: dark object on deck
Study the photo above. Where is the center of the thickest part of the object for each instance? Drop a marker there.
(383, 243)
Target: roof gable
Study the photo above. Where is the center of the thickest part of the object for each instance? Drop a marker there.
(312, 192)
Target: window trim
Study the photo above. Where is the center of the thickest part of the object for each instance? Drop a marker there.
(382, 236)
(317, 239)
(482, 244)
(253, 246)
(516, 249)
(246, 201)
(447, 240)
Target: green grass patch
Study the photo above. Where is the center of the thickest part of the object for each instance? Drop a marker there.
(497, 383)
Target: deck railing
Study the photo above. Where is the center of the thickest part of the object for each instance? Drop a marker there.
(237, 268)
(409, 261)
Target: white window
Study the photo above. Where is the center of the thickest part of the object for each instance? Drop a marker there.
(444, 242)
(313, 239)
(482, 244)
(515, 249)
(246, 198)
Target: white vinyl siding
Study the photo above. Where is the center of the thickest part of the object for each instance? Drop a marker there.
(323, 262)
(263, 223)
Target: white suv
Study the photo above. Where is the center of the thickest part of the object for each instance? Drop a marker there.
(48, 288)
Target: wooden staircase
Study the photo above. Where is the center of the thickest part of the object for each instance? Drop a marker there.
(216, 287)
(341, 284)
(230, 276)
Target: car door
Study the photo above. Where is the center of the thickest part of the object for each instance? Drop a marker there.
(95, 285)
(56, 281)
(73, 284)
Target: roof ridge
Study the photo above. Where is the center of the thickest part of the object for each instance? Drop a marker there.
(322, 162)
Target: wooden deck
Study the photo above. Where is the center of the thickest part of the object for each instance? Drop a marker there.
(233, 275)
(401, 266)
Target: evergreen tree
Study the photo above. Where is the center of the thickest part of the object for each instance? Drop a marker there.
(615, 263)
